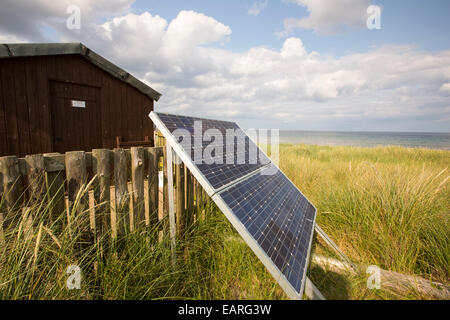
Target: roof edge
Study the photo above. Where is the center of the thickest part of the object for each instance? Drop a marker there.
(48, 49)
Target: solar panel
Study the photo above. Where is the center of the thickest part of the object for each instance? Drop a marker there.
(223, 170)
(266, 208)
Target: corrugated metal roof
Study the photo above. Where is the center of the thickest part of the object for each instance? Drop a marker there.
(49, 49)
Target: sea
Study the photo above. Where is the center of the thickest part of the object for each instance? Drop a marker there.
(368, 139)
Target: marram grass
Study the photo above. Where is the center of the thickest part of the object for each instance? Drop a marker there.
(386, 206)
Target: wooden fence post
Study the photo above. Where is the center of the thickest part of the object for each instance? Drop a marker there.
(12, 188)
(153, 155)
(170, 193)
(189, 197)
(198, 199)
(180, 210)
(137, 179)
(101, 165)
(165, 193)
(121, 191)
(2, 238)
(2, 204)
(55, 192)
(76, 174)
(208, 203)
(36, 177)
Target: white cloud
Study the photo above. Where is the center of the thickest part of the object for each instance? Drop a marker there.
(328, 16)
(445, 88)
(24, 19)
(391, 88)
(257, 7)
(166, 51)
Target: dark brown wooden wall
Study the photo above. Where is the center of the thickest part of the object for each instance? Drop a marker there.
(25, 103)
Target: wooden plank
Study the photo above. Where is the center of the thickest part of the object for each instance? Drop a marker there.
(116, 107)
(36, 178)
(131, 116)
(55, 184)
(137, 116)
(3, 132)
(80, 118)
(55, 162)
(101, 164)
(204, 203)
(12, 186)
(58, 112)
(2, 240)
(208, 201)
(137, 180)
(180, 210)
(70, 124)
(189, 198)
(135, 143)
(148, 124)
(121, 191)
(56, 115)
(76, 175)
(124, 114)
(105, 113)
(23, 120)
(171, 209)
(165, 193)
(97, 118)
(9, 99)
(76, 124)
(198, 198)
(2, 199)
(33, 110)
(43, 101)
(2, 208)
(153, 155)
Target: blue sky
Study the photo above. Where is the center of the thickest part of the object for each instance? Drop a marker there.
(417, 22)
(292, 64)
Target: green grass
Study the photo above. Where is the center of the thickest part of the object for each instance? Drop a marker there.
(387, 206)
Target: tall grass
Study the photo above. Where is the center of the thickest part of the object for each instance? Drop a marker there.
(387, 206)
(212, 261)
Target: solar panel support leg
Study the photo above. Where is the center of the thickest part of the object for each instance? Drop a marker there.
(172, 226)
(334, 246)
(312, 292)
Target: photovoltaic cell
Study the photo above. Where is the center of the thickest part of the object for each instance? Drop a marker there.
(278, 217)
(267, 209)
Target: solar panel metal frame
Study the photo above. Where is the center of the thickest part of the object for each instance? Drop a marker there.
(234, 220)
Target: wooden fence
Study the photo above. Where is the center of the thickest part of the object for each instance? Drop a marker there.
(120, 187)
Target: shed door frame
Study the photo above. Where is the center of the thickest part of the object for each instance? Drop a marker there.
(81, 128)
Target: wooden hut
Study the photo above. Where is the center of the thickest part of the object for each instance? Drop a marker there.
(58, 97)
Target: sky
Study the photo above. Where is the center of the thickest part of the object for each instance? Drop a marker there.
(285, 64)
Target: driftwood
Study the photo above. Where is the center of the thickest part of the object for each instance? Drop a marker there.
(397, 283)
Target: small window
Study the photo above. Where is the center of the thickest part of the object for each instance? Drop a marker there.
(78, 104)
